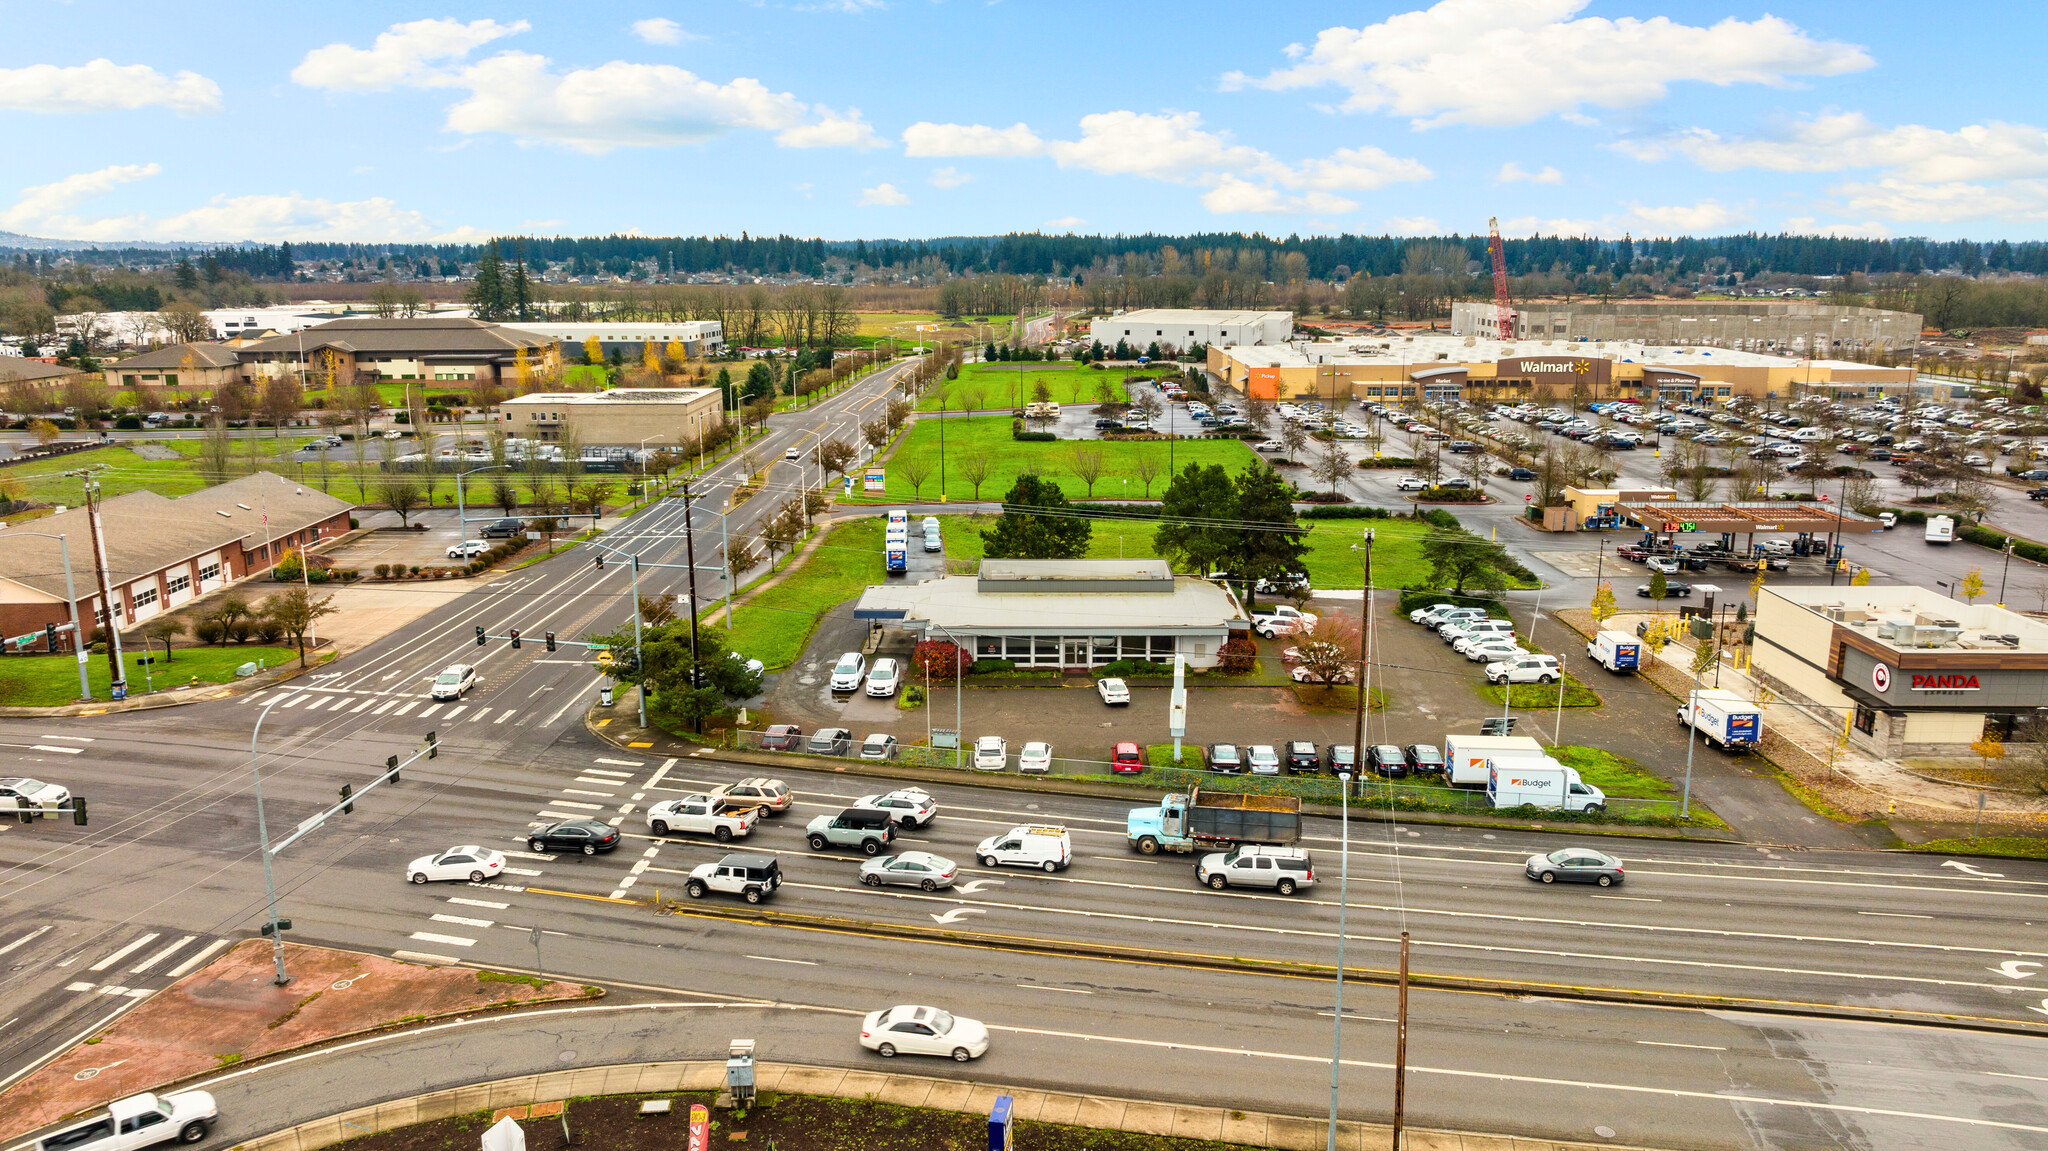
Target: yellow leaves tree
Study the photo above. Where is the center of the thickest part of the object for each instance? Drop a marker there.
(1705, 654)
(1603, 604)
(1861, 578)
(1988, 749)
(593, 352)
(1655, 637)
(1972, 585)
(522, 371)
(44, 431)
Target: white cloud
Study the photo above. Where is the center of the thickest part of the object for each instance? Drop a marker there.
(36, 206)
(104, 86)
(925, 138)
(1512, 173)
(1171, 147)
(1357, 169)
(1414, 226)
(662, 30)
(1235, 194)
(1505, 63)
(1809, 226)
(1640, 220)
(410, 54)
(1063, 224)
(1835, 142)
(596, 109)
(1945, 203)
(949, 177)
(882, 196)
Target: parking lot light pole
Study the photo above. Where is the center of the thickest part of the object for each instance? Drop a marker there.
(78, 637)
(263, 833)
(461, 513)
(1343, 892)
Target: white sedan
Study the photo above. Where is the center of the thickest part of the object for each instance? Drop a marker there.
(1114, 692)
(913, 1030)
(1035, 759)
(20, 792)
(472, 864)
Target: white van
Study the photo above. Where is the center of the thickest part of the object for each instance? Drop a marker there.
(1047, 847)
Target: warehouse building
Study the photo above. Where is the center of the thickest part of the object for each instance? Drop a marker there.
(697, 338)
(1914, 672)
(1782, 328)
(1181, 328)
(448, 349)
(1416, 369)
(1065, 613)
(621, 417)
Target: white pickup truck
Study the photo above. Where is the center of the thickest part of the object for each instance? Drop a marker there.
(1282, 620)
(139, 1121)
(702, 815)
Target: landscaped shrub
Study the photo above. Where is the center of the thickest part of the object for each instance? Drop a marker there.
(354, 523)
(382, 570)
(414, 569)
(1322, 497)
(1439, 518)
(1237, 655)
(129, 423)
(269, 630)
(207, 631)
(1354, 512)
(1388, 462)
(241, 629)
(938, 659)
(1453, 495)
(989, 666)
(1034, 437)
(1133, 667)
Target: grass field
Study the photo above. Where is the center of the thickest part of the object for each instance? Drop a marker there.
(903, 325)
(1537, 696)
(774, 624)
(1011, 386)
(50, 681)
(989, 436)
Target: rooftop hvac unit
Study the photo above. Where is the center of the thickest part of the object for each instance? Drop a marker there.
(1898, 629)
(1936, 636)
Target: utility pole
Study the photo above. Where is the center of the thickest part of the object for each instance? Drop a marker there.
(690, 553)
(1401, 1048)
(116, 673)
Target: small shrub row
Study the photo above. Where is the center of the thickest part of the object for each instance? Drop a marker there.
(1354, 512)
(1133, 667)
(1985, 537)
(1388, 462)
(1453, 495)
(1322, 497)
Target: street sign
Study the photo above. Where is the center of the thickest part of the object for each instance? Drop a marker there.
(25, 640)
(945, 737)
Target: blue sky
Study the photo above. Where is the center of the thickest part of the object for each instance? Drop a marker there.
(901, 118)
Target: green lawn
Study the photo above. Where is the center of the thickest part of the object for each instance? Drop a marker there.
(1614, 774)
(989, 436)
(1010, 386)
(50, 681)
(774, 624)
(1537, 696)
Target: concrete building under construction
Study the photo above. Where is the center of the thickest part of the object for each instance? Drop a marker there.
(1785, 328)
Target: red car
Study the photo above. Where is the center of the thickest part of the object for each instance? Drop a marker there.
(1126, 759)
(782, 737)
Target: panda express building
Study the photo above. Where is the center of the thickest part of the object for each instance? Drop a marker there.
(1916, 673)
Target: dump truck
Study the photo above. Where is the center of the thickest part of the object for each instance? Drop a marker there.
(1212, 821)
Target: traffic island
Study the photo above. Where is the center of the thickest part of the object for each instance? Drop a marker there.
(230, 1012)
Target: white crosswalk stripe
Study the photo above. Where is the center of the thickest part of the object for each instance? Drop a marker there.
(458, 709)
(508, 713)
(387, 705)
(429, 710)
(118, 956)
(450, 940)
(317, 702)
(462, 920)
(160, 956)
(367, 701)
(480, 713)
(408, 707)
(194, 960)
(295, 701)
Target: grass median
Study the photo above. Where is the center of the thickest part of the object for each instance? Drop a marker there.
(988, 438)
(1537, 696)
(773, 624)
(1013, 385)
(52, 680)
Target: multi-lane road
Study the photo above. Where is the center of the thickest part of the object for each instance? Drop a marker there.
(1570, 1014)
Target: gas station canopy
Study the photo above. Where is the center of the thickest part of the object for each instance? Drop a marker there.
(1751, 516)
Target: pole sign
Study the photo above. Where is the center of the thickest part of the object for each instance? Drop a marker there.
(700, 1127)
(874, 480)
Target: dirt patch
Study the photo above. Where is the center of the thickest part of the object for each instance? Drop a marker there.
(783, 1122)
(229, 1012)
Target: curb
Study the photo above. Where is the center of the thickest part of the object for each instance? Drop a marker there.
(1245, 1128)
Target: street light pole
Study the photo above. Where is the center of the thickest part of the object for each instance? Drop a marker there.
(71, 600)
(1344, 805)
(263, 839)
(461, 511)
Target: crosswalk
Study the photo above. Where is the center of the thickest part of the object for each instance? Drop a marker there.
(132, 966)
(339, 701)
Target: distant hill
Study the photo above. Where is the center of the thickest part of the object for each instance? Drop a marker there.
(18, 242)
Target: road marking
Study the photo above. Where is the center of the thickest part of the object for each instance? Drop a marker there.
(528, 855)
(137, 993)
(367, 701)
(621, 762)
(294, 701)
(1042, 987)
(508, 713)
(1687, 1046)
(579, 791)
(110, 989)
(458, 709)
(205, 953)
(658, 773)
(578, 806)
(1997, 1074)
(406, 707)
(641, 866)
(317, 702)
(520, 871)
(430, 709)
(460, 920)
(72, 738)
(79, 986)
(1973, 872)
(424, 957)
(1630, 898)
(160, 956)
(544, 813)
(387, 705)
(450, 940)
(480, 713)
(1895, 915)
(24, 939)
(596, 779)
(118, 956)
(2011, 968)
(53, 747)
(478, 903)
(774, 959)
(954, 915)
(602, 771)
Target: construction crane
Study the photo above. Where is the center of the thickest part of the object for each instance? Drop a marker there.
(1503, 315)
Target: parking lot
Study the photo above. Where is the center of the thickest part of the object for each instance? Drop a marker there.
(393, 545)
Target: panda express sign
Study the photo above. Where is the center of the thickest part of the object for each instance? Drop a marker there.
(1939, 683)
(1563, 372)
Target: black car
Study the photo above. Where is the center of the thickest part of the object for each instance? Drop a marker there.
(1387, 760)
(2038, 494)
(585, 835)
(503, 529)
(1105, 425)
(1224, 759)
(1672, 589)
(1339, 758)
(1423, 757)
(1300, 756)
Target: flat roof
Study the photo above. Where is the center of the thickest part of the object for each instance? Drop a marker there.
(1449, 350)
(1210, 316)
(1867, 609)
(614, 396)
(958, 602)
(1746, 516)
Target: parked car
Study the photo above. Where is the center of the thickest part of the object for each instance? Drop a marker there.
(1423, 758)
(782, 737)
(1489, 649)
(884, 678)
(468, 549)
(1034, 758)
(1262, 759)
(865, 828)
(830, 741)
(1340, 757)
(751, 877)
(923, 1031)
(1223, 759)
(1283, 869)
(1672, 588)
(1521, 474)
(1126, 759)
(1301, 757)
(1533, 667)
(454, 679)
(908, 806)
(919, 869)
(1664, 564)
(1575, 865)
(991, 753)
(503, 529)
(849, 671)
(878, 745)
(1411, 484)
(1386, 759)
(1114, 692)
(471, 864)
(588, 836)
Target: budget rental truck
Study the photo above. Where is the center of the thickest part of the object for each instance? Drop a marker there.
(1616, 651)
(1724, 719)
(896, 556)
(1466, 756)
(1205, 821)
(1543, 783)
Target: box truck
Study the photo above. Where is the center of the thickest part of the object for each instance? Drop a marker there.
(1725, 719)
(1541, 782)
(1466, 756)
(1941, 529)
(896, 557)
(1615, 651)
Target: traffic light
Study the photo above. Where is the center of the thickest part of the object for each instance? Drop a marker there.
(515, 639)
(479, 635)
(600, 561)
(282, 925)
(551, 641)
(78, 810)
(347, 808)
(50, 635)
(391, 768)
(433, 746)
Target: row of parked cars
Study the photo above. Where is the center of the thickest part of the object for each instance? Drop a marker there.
(1303, 757)
(1479, 637)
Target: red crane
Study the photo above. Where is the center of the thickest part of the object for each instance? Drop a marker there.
(1503, 314)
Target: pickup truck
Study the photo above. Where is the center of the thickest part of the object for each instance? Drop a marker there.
(139, 1121)
(1282, 620)
(702, 814)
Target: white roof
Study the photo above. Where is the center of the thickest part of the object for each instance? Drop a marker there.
(1198, 316)
(1453, 350)
(956, 602)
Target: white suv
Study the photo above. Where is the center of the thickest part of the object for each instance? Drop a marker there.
(1532, 668)
(849, 671)
(991, 753)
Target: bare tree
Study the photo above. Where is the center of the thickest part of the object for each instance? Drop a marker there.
(976, 468)
(282, 397)
(1328, 653)
(1087, 465)
(915, 470)
(1293, 437)
(1332, 465)
(400, 493)
(1146, 468)
(876, 432)
(217, 449)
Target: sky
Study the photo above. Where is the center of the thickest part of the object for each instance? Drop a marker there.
(916, 118)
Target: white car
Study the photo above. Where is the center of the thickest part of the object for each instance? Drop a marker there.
(1530, 667)
(1491, 649)
(753, 666)
(453, 681)
(920, 869)
(1262, 759)
(1114, 692)
(991, 753)
(910, 1030)
(849, 671)
(1304, 674)
(884, 678)
(1035, 758)
(468, 549)
(1410, 484)
(907, 806)
(470, 864)
(22, 792)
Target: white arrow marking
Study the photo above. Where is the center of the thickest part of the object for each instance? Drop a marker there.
(974, 885)
(2011, 968)
(2043, 1009)
(954, 915)
(1966, 869)
(393, 675)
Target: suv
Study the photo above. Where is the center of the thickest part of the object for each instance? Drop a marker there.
(782, 737)
(771, 796)
(1284, 869)
(991, 753)
(453, 681)
(831, 741)
(867, 828)
(1223, 759)
(1300, 756)
(849, 671)
(751, 877)
(1387, 759)
(503, 529)
(1531, 668)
